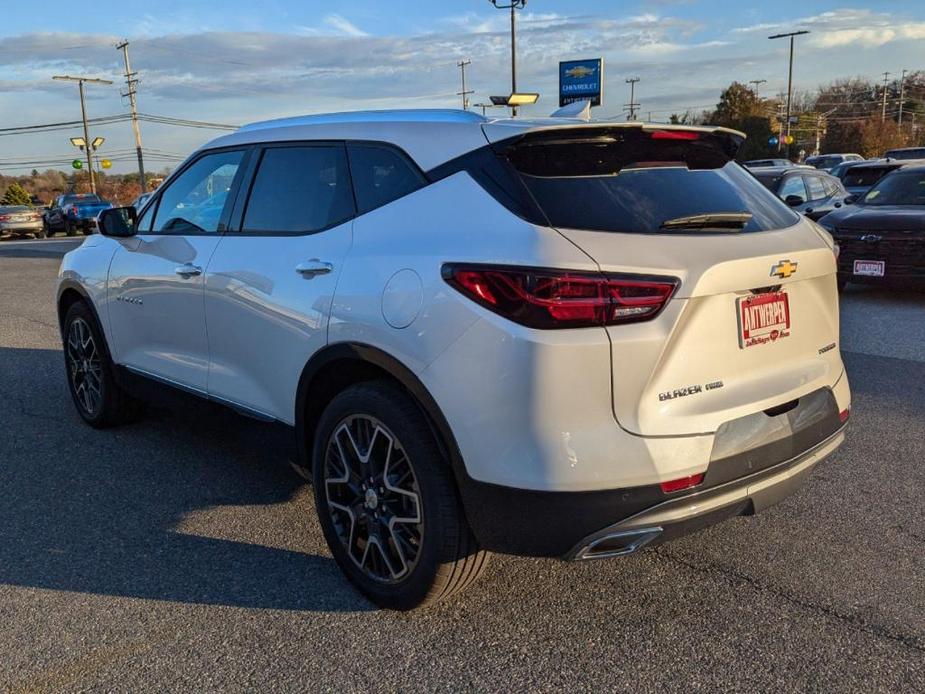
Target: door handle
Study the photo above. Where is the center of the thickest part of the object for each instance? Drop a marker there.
(188, 270)
(313, 267)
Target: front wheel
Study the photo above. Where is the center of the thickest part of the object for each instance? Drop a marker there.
(99, 399)
(387, 500)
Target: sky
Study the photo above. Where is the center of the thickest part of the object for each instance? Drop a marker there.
(237, 61)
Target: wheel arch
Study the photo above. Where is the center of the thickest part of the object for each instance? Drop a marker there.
(340, 365)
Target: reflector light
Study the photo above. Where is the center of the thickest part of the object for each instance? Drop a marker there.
(843, 415)
(675, 135)
(551, 299)
(682, 483)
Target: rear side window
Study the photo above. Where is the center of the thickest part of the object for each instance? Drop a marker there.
(381, 175)
(299, 190)
(627, 180)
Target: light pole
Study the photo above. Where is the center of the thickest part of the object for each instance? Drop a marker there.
(512, 6)
(83, 112)
(757, 83)
(789, 77)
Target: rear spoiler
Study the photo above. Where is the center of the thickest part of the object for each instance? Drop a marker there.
(702, 147)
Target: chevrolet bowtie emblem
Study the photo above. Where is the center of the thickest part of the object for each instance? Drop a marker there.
(783, 269)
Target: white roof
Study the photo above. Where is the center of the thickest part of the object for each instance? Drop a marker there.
(429, 136)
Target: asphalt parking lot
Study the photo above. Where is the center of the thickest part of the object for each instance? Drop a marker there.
(181, 553)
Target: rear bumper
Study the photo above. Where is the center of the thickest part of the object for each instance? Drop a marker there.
(20, 227)
(691, 512)
(588, 525)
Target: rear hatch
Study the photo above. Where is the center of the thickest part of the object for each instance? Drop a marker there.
(753, 324)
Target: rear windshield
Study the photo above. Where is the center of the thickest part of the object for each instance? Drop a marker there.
(864, 177)
(915, 153)
(82, 199)
(624, 180)
(898, 189)
(825, 162)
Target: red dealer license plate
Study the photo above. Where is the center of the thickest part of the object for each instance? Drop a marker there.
(763, 318)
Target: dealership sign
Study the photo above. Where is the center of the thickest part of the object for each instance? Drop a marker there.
(581, 80)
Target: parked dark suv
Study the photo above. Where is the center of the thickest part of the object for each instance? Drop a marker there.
(882, 236)
(812, 192)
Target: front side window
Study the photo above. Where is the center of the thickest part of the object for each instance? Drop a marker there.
(381, 175)
(815, 187)
(793, 186)
(193, 202)
(300, 190)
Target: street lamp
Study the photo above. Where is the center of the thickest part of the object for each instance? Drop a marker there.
(83, 112)
(512, 5)
(789, 81)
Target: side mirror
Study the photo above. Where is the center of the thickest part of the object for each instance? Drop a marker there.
(851, 199)
(794, 200)
(118, 221)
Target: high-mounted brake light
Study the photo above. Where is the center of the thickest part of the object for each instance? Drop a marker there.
(550, 299)
(681, 483)
(675, 135)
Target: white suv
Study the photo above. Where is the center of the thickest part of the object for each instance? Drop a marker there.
(551, 338)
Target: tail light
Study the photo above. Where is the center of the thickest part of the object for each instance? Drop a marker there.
(675, 135)
(549, 299)
(74, 210)
(5, 217)
(682, 483)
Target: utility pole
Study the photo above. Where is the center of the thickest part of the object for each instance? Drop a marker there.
(819, 121)
(886, 77)
(464, 93)
(83, 113)
(791, 35)
(631, 116)
(513, 5)
(902, 96)
(132, 82)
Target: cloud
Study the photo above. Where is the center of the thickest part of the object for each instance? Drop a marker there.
(343, 25)
(846, 27)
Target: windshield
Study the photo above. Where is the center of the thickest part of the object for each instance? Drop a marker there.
(769, 181)
(630, 182)
(864, 177)
(898, 189)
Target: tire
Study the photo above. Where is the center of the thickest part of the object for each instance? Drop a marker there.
(40, 234)
(427, 551)
(99, 399)
(69, 229)
(48, 230)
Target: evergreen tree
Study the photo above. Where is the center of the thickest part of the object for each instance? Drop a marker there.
(15, 195)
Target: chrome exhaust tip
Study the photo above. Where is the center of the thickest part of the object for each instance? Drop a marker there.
(615, 544)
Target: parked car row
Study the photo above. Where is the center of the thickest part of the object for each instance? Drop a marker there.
(874, 209)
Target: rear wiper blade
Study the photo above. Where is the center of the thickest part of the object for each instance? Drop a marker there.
(718, 221)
